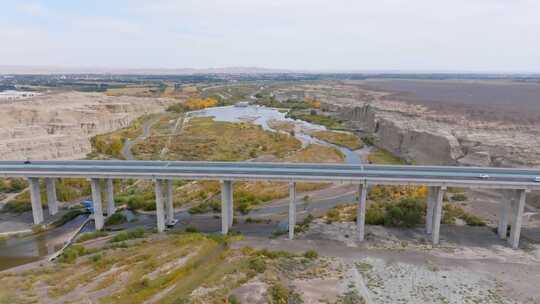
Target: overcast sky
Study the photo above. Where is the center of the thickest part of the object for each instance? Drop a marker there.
(405, 35)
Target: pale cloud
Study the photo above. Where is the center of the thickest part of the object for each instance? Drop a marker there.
(478, 35)
(32, 8)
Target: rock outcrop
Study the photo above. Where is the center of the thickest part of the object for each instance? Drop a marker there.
(59, 126)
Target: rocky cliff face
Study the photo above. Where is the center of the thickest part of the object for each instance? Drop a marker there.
(59, 126)
(425, 138)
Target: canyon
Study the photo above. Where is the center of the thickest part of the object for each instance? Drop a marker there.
(60, 125)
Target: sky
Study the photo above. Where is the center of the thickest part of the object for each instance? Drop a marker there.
(314, 35)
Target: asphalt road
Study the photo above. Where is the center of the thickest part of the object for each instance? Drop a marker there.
(430, 175)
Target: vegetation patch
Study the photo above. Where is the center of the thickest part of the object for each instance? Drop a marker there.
(382, 157)
(116, 219)
(328, 121)
(205, 139)
(408, 211)
(90, 236)
(128, 235)
(344, 139)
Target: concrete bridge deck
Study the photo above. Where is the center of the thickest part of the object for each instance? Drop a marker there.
(516, 182)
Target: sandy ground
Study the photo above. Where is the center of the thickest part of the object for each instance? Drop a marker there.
(400, 266)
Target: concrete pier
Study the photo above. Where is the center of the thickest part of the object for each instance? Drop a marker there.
(292, 209)
(96, 203)
(361, 211)
(431, 197)
(35, 198)
(517, 205)
(109, 190)
(225, 212)
(437, 214)
(170, 205)
(508, 196)
(52, 200)
(160, 214)
(230, 203)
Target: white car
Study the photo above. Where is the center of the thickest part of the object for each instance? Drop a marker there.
(537, 179)
(483, 176)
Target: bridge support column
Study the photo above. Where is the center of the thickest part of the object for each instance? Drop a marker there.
(230, 203)
(504, 213)
(517, 205)
(292, 209)
(226, 193)
(52, 201)
(96, 203)
(170, 206)
(160, 215)
(437, 214)
(431, 197)
(35, 197)
(109, 189)
(361, 211)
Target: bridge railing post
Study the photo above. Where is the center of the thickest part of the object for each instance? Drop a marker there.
(170, 205)
(35, 198)
(109, 190)
(160, 216)
(517, 205)
(96, 203)
(230, 203)
(292, 209)
(225, 189)
(52, 200)
(361, 211)
(431, 197)
(437, 214)
(508, 196)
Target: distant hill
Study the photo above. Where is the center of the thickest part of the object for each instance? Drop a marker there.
(143, 71)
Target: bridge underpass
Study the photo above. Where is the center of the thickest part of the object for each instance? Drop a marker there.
(516, 182)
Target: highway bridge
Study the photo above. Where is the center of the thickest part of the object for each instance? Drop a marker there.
(516, 182)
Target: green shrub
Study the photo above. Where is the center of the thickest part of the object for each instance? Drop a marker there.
(233, 300)
(408, 212)
(279, 294)
(311, 254)
(71, 254)
(90, 236)
(38, 228)
(257, 264)
(191, 229)
(116, 219)
(460, 197)
(128, 235)
(206, 207)
(332, 216)
(375, 214)
(69, 216)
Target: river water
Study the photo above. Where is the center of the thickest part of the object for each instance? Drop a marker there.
(21, 250)
(262, 116)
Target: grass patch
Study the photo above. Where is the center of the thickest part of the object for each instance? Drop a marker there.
(383, 157)
(205, 139)
(90, 236)
(128, 235)
(344, 139)
(327, 121)
(116, 219)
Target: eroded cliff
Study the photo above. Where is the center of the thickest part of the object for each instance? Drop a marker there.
(59, 126)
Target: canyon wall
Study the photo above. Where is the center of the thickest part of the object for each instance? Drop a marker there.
(59, 126)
